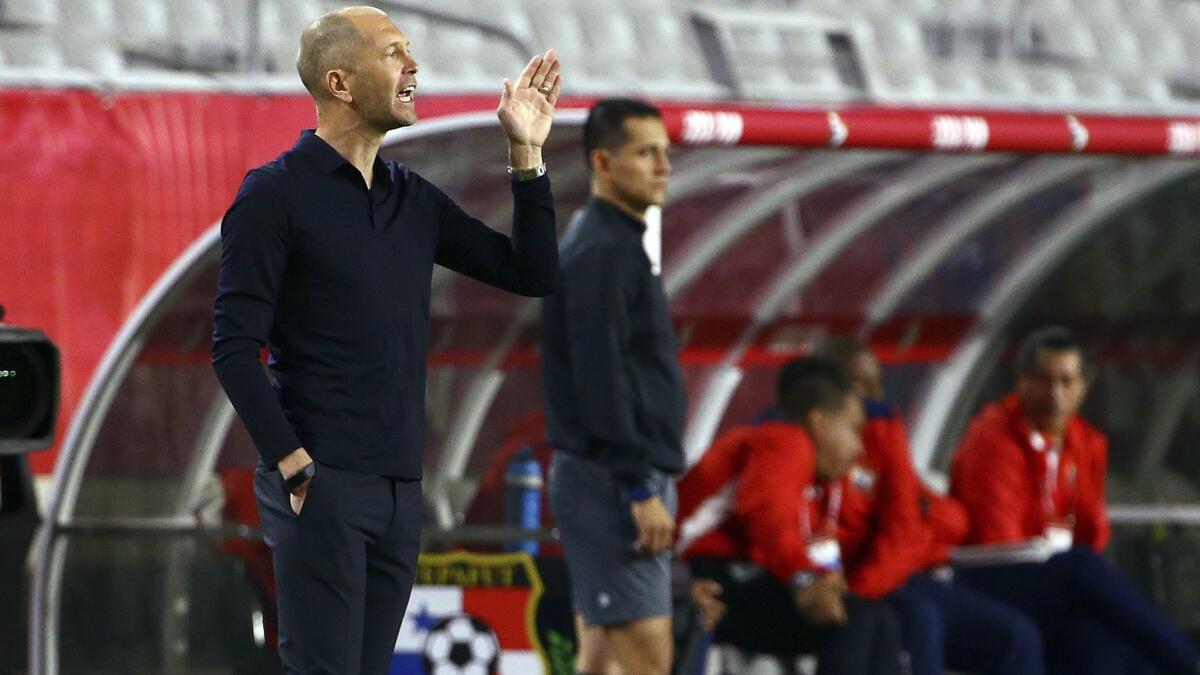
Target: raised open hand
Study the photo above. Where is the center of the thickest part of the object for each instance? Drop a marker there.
(527, 107)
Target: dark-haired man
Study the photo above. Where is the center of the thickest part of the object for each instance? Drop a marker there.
(615, 399)
(759, 514)
(1032, 470)
(326, 257)
(896, 535)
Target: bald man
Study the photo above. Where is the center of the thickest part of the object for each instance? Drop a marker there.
(327, 254)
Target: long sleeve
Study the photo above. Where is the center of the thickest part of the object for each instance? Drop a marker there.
(254, 254)
(770, 498)
(989, 478)
(526, 263)
(597, 297)
(900, 545)
(1092, 525)
(949, 522)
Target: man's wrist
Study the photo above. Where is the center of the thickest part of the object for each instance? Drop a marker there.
(522, 156)
(298, 479)
(293, 461)
(522, 175)
(640, 492)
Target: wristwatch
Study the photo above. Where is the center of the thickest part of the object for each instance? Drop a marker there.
(528, 174)
(801, 580)
(300, 477)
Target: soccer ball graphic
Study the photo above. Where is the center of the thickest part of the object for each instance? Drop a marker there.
(461, 645)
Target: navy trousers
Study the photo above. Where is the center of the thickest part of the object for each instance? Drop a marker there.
(762, 618)
(343, 568)
(947, 625)
(1092, 621)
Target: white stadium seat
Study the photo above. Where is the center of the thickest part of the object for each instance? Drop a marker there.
(143, 28)
(899, 36)
(1005, 80)
(31, 50)
(1117, 48)
(956, 80)
(1141, 87)
(282, 23)
(1098, 87)
(205, 43)
(678, 66)
(88, 35)
(1065, 36)
(1162, 49)
(28, 13)
(1051, 84)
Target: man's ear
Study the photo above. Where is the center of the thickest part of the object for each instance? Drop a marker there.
(600, 160)
(335, 82)
(816, 419)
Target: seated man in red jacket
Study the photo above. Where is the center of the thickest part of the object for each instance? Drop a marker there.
(1031, 470)
(759, 515)
(896, 536)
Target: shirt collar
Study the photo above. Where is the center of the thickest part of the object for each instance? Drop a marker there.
(1033, 438)
(327, 160)
(615, 214)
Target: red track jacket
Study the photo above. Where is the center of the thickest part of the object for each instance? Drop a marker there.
(1002, 475)
(892, 526)
(754, 496)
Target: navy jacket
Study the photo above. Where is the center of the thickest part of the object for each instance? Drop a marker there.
(610, 368)
(335, 279)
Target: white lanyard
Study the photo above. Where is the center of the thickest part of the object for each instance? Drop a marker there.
(831, 513)
(1052, 461)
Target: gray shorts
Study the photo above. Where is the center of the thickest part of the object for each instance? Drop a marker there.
(610, 582)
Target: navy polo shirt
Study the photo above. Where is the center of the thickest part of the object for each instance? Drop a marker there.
(334, 279)
(610, 357)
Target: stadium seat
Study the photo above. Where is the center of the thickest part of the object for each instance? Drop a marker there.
(916, 8)
(1098, 87)
(1117, 48)
(1101, 12)
(28, 13)
(1162, 49)
(558, 25)
(678, 67)
(28, 49)
(1184, 15)
(282, 23)
(610, 36)
(956, 80)
(1064, 36)
(507, 14)
(899, 37)
(1004, 80)
(88, 35)
(1146, 13)
(206, 45)
(908, 81)
(961, 10)
(756, 56)
(1143, 88)
(1050, 84)
(456, 54)
(143, 30)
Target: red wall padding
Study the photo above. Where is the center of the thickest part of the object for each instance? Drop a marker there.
(102, 193)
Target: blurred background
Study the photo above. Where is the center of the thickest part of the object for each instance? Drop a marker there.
(936, 177)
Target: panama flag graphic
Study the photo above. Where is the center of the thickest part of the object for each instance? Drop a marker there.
(471, 614)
